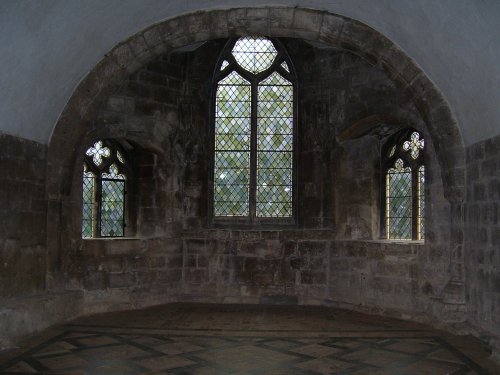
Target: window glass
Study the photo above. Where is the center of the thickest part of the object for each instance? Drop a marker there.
(254, 132)
(104, 190)
(405, 187)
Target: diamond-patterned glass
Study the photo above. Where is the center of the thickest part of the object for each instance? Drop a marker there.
(224, 65)
(414, 145)
(113, 173)
(399, 202)
(274, 147)
(254, 54)
(98, 152)
(232, 146)
(88, 206)
(112, 208)
(421, 201)
(284, 65)
(120, 157)
(393, 150)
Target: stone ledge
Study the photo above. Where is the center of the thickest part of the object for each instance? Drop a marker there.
(23, 316)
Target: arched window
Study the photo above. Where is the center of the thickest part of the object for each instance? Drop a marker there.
(404, 190)
(104, 189)
(254, 131)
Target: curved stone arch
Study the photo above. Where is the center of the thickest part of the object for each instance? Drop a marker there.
(308, 24)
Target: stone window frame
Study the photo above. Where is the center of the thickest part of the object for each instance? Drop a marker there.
(123, 168)
(254, 79)
(388, 158)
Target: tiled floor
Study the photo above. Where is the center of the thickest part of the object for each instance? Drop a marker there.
(235, 339)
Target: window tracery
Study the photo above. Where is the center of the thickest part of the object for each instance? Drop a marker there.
(253, 131)
(104, 190)
(404, 190)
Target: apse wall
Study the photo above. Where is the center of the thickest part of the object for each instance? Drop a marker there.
(333, 255)
(153, 97)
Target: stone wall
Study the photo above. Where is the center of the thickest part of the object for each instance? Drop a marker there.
(162, 113)
(23, 211)
(482, 241)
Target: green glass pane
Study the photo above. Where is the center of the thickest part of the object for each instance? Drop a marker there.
(234, 79)
(232, 109)
(275, 125)
(275, 109)
(275, 142)
(270, 159)
(232, 159)
(276, 93)
(399, 197)
(232, 125)
(281, 194)
(232, 142)
(274, 177)
(231, 176)
(274, 209)
(234, 93)
(112, 208)
(421, 181)
(275, 79)
(88, 206)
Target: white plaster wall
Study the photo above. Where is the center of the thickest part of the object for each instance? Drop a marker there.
(48, 46)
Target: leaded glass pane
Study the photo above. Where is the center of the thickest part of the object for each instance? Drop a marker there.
(284, 65)
(414, 145)
(399, 202)
(88, 204)
(98, 151)
(232, 146)
(113, 173)
(421, 201)
(274, 147)
(254, 54)
(120, 157)
(112, 208)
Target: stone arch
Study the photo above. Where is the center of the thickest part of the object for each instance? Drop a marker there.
(334, 30)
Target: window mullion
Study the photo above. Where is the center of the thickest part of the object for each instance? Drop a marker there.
(98, 201)
(253, 153)
(414, 203)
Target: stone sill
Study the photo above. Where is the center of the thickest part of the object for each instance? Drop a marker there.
(392, 242)
(112, 239)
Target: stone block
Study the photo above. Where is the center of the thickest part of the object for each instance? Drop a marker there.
(121, 280)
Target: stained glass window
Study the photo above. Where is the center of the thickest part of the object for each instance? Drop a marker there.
(254, 131)
(88, 209)
(254, 54)
(104, 189)
(421, 201)
(399, 201)
(274, 147)
(405, 187)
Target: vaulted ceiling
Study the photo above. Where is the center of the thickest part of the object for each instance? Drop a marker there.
(47, 47)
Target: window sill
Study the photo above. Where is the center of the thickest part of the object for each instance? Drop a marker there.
(111, 238)
(395, 242)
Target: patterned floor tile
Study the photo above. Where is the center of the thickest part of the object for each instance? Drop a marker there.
(166, 362)
(62, 362)
(378, 358)
(325, 365)
(258, 349)
(316, 351)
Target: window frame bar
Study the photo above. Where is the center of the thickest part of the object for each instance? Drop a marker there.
(252, 219)
(388, 163)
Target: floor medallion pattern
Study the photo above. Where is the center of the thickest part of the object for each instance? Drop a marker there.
(90, 348)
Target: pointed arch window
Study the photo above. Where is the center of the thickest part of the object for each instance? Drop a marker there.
(104, 190)
(404, 187)
(253, 167)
